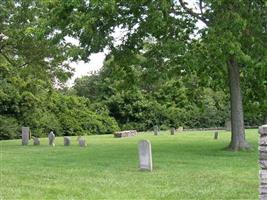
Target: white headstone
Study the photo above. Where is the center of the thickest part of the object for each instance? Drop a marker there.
(145, 155)
(51, 138)
(25, 135)
(180, 128)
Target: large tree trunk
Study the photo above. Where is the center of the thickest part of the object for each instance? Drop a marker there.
(238, 141)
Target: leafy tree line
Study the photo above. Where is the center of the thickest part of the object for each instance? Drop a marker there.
(47, 110)
(33, 102)
(32, 66)
(139, 99)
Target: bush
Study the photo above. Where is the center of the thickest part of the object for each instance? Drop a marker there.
(9, 128)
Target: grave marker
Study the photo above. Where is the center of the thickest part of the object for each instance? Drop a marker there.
(67, 141)
(228, 125)
(25, 135)
(180, 129)
(145, 155)
(216, 134)
(156, 130)
(51, 138)
(81, 141)
(36, 141)
(172, 131)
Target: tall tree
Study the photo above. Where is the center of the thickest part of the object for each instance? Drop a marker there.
(234, 36)
(235, 39)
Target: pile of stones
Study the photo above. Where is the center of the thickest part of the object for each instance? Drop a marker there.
(128, 133)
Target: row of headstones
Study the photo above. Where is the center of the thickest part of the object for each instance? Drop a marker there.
(144, 147)
(51, 139)
(173, 130)
(156, 131)
(263, 162)
(145, 153)
(67, 140)
(145, 156)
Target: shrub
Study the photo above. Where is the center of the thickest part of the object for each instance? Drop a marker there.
(8, 128)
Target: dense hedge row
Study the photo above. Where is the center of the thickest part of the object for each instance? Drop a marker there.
(43, 109)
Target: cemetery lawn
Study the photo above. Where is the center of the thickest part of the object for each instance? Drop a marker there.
(188, 165)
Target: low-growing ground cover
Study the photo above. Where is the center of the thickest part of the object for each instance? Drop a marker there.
(188, 165)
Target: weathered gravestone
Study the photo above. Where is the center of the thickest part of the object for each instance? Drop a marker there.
(172, 131)
(67, 141)
(81, 141)
(145, 155)
(51, 139)
(156, 130)
(25, 135)
(180, 129)
(216, 134)
(228, 125)
(263, 162)
(36, 141)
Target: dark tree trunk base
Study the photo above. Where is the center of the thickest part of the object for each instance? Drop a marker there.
(239, 145)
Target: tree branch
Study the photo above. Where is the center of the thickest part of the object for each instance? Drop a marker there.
(23, 65)
(201, 6)
(199, 16)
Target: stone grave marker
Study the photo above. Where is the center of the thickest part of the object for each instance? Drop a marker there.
(216, 134)
(25, 135)
(172, 131)
(36, 141)
(228, 125)
(145, 155)
(263, 162)
(67, 141)
(156, 130)
(81, 141)
(180, 129)
(51, 139)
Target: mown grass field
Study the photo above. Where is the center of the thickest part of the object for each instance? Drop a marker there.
(189, 165)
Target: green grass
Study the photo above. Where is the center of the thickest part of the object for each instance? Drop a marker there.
(190, 165)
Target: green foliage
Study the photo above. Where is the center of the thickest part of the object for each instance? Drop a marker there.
(33, 57)
(66, 115)
(77, 118)
(8, 128)
(169, 102)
